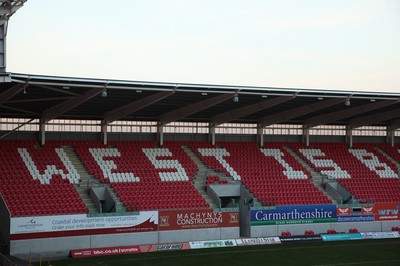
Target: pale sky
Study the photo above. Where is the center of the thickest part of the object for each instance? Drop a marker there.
(336, 44)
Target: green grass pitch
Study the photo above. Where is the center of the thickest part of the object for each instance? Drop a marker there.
(356, 252)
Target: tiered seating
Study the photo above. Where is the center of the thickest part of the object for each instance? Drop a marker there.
(145, 177)
(214, 179)
(363, 171)
(204, 149)
(38, 180)
(393, 152)
(271, 174)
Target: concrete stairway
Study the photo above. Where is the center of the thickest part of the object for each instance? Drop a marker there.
(119, 206)
(87, 178)
(199, 180)
(82, 188)
(316, 177)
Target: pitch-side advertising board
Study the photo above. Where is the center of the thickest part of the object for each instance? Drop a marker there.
(81, 224)
(195, 219)
(279, 215)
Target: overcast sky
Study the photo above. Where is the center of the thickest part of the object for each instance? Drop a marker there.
(337, 44)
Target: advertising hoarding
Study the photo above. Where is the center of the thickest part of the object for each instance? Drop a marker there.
(194, 219)
(324, 213)
(355, 218)
(340, 237)
(258, 241)
(386, 211)
(93, 252)
(81, 224)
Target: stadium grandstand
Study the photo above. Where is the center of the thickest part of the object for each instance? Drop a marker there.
(94, 163)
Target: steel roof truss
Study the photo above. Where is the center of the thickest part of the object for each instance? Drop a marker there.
(132, 107)
(374, 119)
(65, 106)
(346, 112)
(299, 111)
(247, 110)
(185, 111)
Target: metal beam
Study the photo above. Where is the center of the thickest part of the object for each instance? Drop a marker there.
(193, 108)
(11, 92)
(347, 112)
(299, 111)
(8, 8)
(395, 124)
(20, 110)
(65, 106)
(40, 100)
(374, 118)
(132, 107)
(18, 127)
(247, 110)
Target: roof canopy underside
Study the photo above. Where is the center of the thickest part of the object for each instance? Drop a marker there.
(47, 98)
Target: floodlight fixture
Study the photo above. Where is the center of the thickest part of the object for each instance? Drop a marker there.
(104, 93)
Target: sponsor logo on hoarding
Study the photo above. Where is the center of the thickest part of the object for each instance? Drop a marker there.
(165, 247)
(300, 238)
(192, 219)
(380, 235)
(294, 215)
(343, 211)
(212, 244)
(387, 211)
(31, 224)
(92, 252)
(169, 247)
(234, 217)
(356, 218)
(367, 210)
(81, 224)
(383, 211)
(258, 241)
(338, 237)
(164, 220)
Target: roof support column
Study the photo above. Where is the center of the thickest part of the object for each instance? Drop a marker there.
(390, 136)
(211, 133)
(103, 135)
(3, 31)
(160, 134)
(42, 132)
(260, 136)
(306, 135)
(349, 136)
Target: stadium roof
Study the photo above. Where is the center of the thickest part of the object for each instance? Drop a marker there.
(50, 97)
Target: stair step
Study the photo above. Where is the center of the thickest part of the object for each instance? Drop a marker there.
(200, 178)
(316, 177)
(85, 178)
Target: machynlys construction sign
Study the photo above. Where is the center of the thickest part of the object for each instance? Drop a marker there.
(192, 219)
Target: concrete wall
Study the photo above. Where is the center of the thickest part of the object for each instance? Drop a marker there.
(226, 190)
(60, 247)
(198, 234)
(47, 247)
(244, 211)
(4, 222)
